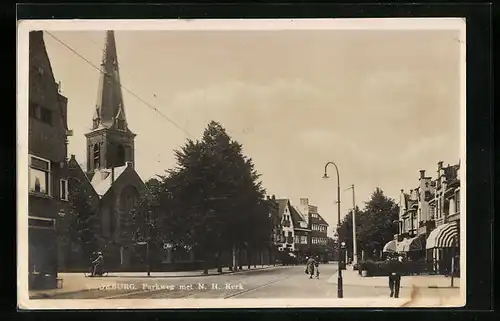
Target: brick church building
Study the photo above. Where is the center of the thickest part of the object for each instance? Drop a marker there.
(110, 181)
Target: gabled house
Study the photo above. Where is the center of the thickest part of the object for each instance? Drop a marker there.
(443, 242)
(47, 172)
(301, 232)
(415, 220)
(288, 232)
(318, 230)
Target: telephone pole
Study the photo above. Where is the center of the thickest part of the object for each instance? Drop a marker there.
(354, 241)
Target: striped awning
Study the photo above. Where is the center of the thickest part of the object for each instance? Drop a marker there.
(400, 246)
(390, 247)
(445, 235)
(413, 244)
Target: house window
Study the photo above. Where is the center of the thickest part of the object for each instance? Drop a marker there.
(457, 198)
(63, 189)
(46, 115)
(40, 113)
(39, 176)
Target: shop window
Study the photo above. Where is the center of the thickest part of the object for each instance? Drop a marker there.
(39, 176)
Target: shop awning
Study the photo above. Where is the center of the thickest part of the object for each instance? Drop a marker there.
(400, 246)
(390, 247)
(413, 244)
(445, 235)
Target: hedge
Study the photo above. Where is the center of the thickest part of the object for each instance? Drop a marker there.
(381, 268)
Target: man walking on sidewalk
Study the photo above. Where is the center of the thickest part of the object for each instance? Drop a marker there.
(395, 271)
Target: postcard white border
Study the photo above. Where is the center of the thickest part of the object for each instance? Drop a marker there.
(25, 26)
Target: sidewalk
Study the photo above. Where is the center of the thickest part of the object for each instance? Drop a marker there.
(73, 283)
(351, 277)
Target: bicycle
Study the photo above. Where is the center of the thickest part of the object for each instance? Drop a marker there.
(98, 273)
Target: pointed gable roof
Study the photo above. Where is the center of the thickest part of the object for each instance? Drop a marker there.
(109, 104)
(282, 204)
(102, 179)
(322, 220)
(297, 217)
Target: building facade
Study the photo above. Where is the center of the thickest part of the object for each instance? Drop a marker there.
(287, 231)
(429, 220)
(318, 230)
(48, 180)
(304, 230)
(443, 243)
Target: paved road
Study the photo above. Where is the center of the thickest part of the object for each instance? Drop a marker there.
(276, 282)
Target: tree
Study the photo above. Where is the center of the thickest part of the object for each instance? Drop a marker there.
(144, 226)
(346, 234)
(81, 222)
(213, 197)
(374, 224)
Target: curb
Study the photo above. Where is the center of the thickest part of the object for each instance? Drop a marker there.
(431, 286)
(40, 296)
(401, 287)
(195, 275)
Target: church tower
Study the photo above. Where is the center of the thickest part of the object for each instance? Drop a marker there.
(110, 143)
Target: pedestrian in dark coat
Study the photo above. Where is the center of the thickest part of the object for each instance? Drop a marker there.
(310, 266)
(395, 272)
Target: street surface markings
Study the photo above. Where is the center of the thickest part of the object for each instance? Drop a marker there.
(258, 287)
(233, 278)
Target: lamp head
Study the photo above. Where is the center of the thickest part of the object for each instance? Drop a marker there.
(326, 176)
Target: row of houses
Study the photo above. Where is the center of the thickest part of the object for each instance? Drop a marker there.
(429, 220)
(301, 231)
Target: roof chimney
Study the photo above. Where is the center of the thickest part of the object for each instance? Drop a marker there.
(422, 173)
(402, 190)
(440, 164)
(72, 157)
(304, 208)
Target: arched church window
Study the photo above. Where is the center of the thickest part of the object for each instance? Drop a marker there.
(129, 198)
(97, 155)
(120, 155)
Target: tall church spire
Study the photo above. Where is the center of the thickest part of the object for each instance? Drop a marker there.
(109, 109)
(110, 143)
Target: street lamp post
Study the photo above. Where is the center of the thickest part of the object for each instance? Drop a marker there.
(339, 280)
(148, 239)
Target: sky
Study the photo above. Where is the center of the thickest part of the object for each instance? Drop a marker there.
(381, 104)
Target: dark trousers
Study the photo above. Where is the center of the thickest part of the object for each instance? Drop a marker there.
(394, 285)
(96, 269)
